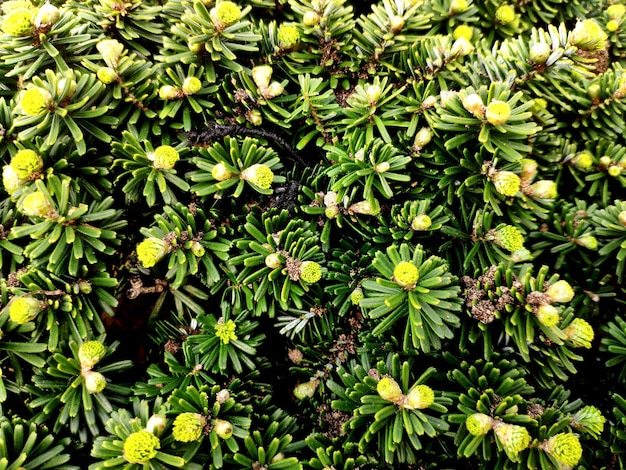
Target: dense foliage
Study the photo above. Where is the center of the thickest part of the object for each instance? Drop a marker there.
(312, 234)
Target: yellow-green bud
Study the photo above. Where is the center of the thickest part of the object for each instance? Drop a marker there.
(288, 36)
(141, 447)
(10, 180)
(221, 172)
(259, 175)
(539, 52)
(225, 331)
(458, 6)
(94, 381)
(521, 255)
(514, 439)
(529, 169)
(505, 14)
(543, 189)
(420, 397)
(461, 47)
(463, 31)
(24, 309)
(614, 171)
(621, 218)
(164, 157)
(588, 241)
(373, 93)
(422, 138)
(197, 249)
(107, 75)
(223, 428)
(188, 427)
(561, 292)
(604, 161)
(583, 161)
(473, 103)
(191, 85)
(588, 35)
(508, 237)
(169, 92)
(612, 26)
(594, 91)
(389, 390)
(305, 389)
(310, 272)
(224, 14)
(478, 424)
(506, 183)
(151, 251)
(272, 91)
(90, 353)
(547, 315)
(331, 212)
(26, 163)
(498, 112)
(18, 22)
(156, 424)
(36, 204)
(311, 18)
(356, 296)
(35, 101)
(396, 23)
(589, 419)
(565, 448)
(255, 117)
(579, 333)
(421, 222)
(273, 261)
(47, 15)
(111, 50)
(365, 208)
(382, 167)
(616, 11)
(406, 274)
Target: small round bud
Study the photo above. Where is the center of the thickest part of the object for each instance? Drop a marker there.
(498, 112)
(311, 18)
(225, 14)
(588, 241)
(107, 75)
(164, 157)
(191, 85)
(421, 223)
(36, 101)
(621, 218)
(396, 23)
(458, 6)
(47, 15)
(26, 163)
(188, 427)
(422, 138)
(331, 212)
(389, 390)
(616, 11)
(288, 36)
(221, 172)
(473, 103)
(169, 92)
(141, 447)
(514, 438)
(24, 309)
(197, 249)
(429, 102)
(604, 161)
(612, 26)
(406, 274)
(505, 14)
(222, 396)
(18, 22)
(579, 333)
(543, 189)
(461, 47)
(255, 117)
(273, 261)
(156, 424)
(259, 175)
(373, 93)
(539, 52)
(36, 204)
(10, 180)
(111, 50)
(614, 170)
(529, 169)
(547, 315)
(310, 272)
(273, 90)
(94, 381)
(463, 31)
(151, 251)
(506, 183)
(305, 389)
(90, 353)
(565, 448)
(420, 397)
(478, 424)
(382, 167)
(594, 91)
(223, 428)
(356, 296)
(261, 75)
(365, 208)
(583, 160)
(560, 292)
